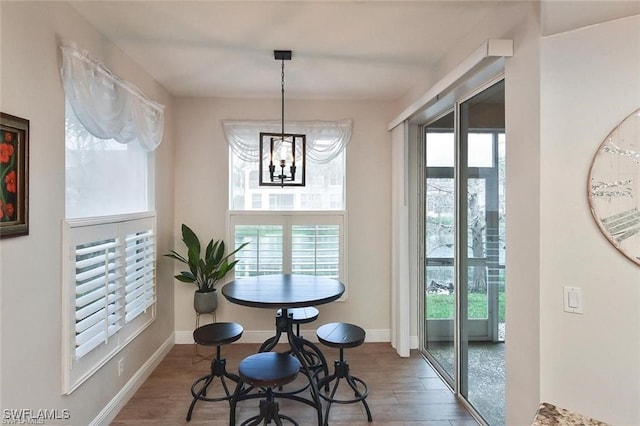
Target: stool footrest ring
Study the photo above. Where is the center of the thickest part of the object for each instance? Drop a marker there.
(361, 390)
(199, 393)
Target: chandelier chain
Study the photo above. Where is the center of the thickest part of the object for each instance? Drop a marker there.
(282, 105)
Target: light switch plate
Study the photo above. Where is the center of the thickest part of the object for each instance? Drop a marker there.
(572, 299)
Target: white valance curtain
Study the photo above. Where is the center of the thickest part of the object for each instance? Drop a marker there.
(324, 139)
(107, 107)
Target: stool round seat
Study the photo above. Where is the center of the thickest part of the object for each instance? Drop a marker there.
(218, 333)
(302, 315)
(269, 369)
(266, 370)
(341, 335)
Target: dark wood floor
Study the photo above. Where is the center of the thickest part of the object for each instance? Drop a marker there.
(402, 391)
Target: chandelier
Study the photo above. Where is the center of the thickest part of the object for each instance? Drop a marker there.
(282, 155)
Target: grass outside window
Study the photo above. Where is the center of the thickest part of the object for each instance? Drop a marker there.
(442, 306)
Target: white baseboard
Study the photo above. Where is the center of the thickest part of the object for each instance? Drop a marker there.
(183, 337)
(111, 410)
(249, 336)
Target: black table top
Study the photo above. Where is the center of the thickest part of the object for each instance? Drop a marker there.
(283, 291)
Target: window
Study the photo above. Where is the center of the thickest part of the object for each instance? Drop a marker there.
(102, 176)
(109, 290)
(110, 273)
(286, 242)
(324, 188)
(297, 230)
(325, 159)
(256, 201)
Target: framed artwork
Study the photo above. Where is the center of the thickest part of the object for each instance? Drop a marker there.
(614, 187)
(14, 176)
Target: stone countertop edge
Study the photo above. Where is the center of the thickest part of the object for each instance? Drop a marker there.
(550, 415)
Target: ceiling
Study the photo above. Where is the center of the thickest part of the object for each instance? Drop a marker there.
(341, 49)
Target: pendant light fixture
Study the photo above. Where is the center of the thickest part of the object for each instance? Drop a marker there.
(282, 155)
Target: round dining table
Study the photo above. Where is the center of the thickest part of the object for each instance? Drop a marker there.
(282, 292)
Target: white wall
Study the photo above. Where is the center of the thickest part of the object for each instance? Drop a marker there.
(590, 81)
(522, 117)
(30, 274)
(202, 158)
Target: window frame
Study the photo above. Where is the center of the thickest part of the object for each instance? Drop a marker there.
(109, 255)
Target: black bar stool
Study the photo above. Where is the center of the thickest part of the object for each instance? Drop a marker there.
(342, 335)
(216, 334)
(266, 370)
(302, 316)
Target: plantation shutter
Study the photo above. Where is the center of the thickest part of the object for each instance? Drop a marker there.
(110, 276)
(263, 254)
(315, 250)
(311, 243)
(98, 301)
(140, 273)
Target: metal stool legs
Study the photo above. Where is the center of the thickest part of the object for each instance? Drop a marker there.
(358, 386)
(218, 369)
(269, 412)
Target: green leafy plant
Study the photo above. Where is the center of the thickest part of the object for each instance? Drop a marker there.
(204, 271)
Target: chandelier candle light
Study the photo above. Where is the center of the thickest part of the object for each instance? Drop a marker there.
(284, 145)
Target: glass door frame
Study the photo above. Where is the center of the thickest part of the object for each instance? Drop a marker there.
(451, 380)
(453, 103)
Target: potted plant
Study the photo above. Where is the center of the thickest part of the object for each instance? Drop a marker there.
(205, 269)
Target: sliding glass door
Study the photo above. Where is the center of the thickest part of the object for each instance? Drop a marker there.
(440, 244)
(464, 227)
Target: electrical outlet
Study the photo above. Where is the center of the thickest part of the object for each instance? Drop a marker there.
(120, 366)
